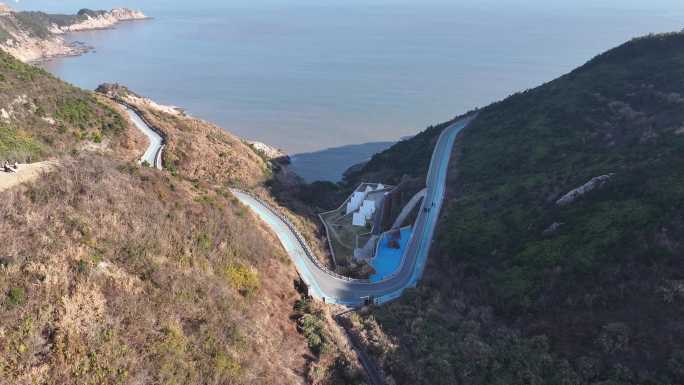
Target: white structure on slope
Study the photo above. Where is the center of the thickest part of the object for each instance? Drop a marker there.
(358, 197)
(359, 220)
(364, 214)
(367, 209)
(355, 201)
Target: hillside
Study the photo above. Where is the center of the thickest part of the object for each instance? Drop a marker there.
(197, 149)
(528, 286)
(33, 35)
(41, 116)
(111, 272)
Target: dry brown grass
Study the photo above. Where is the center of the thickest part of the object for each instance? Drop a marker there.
(196, 149)
(113, 273)
(202, 151)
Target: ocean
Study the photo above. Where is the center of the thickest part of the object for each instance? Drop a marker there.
(310, 75)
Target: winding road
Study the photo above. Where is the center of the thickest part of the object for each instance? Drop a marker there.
(333, 288)
(323, 283)
(153, 154)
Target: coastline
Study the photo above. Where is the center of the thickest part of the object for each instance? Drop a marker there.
(72, 49)
(48, 40)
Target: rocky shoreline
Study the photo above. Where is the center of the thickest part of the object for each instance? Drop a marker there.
(102, 20)
(37, 36)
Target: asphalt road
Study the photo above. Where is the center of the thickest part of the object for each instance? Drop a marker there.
(335, 289)
(153, 153)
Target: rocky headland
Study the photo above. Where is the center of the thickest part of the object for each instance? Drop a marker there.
(32, 36)
(90, 20)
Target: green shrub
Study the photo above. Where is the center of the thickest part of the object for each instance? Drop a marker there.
(75, 111)
(82, 267)
(175, 365)
(243, 278)
(204, 242)
(36, 23)
(311, 324)
(96, 137)
(17, 144)
(226, 366)
(312, 328)
(16, 296)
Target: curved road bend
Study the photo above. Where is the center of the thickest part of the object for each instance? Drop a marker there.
(287, 237)
(153, 153)
(355, 292)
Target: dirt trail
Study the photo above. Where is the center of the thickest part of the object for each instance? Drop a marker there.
(26, 173)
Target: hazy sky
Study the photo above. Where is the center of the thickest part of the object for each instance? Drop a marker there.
(73, 5)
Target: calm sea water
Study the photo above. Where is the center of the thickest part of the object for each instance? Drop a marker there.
(308, 75)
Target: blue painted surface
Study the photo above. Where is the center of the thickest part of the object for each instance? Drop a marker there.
(388, 260)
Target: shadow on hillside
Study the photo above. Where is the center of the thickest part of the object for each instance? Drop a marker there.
(331, 163)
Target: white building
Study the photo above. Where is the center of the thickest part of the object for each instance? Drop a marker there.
(365, 213)
(358, 197)
(358, 219)
(355, 201)
(367, 209)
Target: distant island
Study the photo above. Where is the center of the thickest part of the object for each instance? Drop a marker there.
(32, 36)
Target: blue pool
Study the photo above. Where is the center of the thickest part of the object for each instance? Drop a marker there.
(388, 260)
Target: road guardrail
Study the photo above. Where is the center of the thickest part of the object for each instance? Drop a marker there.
(301, 240)
(158, 155)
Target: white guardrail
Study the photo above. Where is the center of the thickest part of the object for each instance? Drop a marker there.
(302, 241)
(158, 155)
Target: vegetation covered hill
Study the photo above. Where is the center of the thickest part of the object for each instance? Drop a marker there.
(523, 290)
(41, 116)
(31, 36)
(115, 273)
(42, 25)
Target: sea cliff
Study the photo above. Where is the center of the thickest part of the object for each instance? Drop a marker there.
(101, 19)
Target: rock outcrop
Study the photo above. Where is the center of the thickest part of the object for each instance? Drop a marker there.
(29, 49)
(269, 152)
(585, 188)
(123, 94)
(101, 19)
